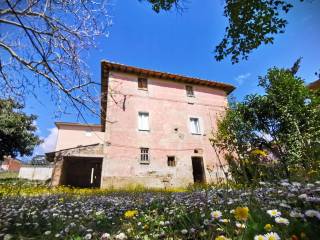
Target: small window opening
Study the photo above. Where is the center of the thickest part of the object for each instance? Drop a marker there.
(143, 83)
(144, 156)
(171, 161)
(190, 92)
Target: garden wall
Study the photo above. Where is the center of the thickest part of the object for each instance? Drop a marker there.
(36, 172)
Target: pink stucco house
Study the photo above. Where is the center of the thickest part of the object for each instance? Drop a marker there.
(155, 129)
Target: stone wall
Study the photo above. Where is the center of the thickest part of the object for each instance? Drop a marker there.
(58, 175)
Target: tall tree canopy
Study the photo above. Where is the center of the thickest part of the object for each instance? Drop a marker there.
(278, 132)
(17, 130)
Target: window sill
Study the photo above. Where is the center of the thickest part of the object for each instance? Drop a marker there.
(143, 89)
(144, 163)
(143, 130)
(199, 134)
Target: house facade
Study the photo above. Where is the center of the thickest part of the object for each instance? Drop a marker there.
(314, 85)
(10, 164)
(155, 131)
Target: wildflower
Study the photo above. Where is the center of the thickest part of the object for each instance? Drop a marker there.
(47, 232)
(99, 213)
(259, 237)
(241, 213)
(312, 213)
(121, 236)
(221, 237)
(184, 231)
(240, 225)
(282, 220)
(303, 196)
(130, 213)
(296, 214)
(272, 236)
(274, 213)
(88, 236)
(105, 236)
(216, 214)
(224, 220)
(268, 227)
(259, 152)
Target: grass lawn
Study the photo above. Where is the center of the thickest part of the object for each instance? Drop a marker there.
(270, 211)
(6, 175)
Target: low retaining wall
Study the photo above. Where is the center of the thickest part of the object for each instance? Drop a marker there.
(36, 172)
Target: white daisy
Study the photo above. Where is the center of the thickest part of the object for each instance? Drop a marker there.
(274, 213)
(259, 237)
(184, 231)
(312, 213)
(282, 220)
(240, 225)
(121, 236)
(105, 236)
(272, 236)
(295, 214)
(216, 214)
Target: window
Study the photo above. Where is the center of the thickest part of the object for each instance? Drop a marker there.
(144, 156)
(143, 83)
(189, 90)
(195, 126)
(171, 161)
(143, 121)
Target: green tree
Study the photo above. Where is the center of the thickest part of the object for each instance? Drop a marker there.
(251, 24)
(17, 130)
(278, 132)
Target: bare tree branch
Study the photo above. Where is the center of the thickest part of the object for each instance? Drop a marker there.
(49, 39)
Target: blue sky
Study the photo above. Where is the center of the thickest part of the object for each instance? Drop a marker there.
(184, 44)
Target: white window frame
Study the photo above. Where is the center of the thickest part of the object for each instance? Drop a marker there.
(190, 94)
(143, 126)
(193, 130)
(144, 155)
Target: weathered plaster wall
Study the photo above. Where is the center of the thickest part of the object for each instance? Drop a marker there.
(169, 109)
(36, 172)
(70, 136)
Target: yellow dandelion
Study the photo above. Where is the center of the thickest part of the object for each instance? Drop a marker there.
(130, 213)
(259, 152)
(241, 213)
(221, 237)
(268, 227)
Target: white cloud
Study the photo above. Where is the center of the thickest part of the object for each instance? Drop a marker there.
(50, 141)
(35, 123)
(239, 79)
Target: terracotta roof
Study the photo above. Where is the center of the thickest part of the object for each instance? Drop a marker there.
(314, 85)
(165, 75)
